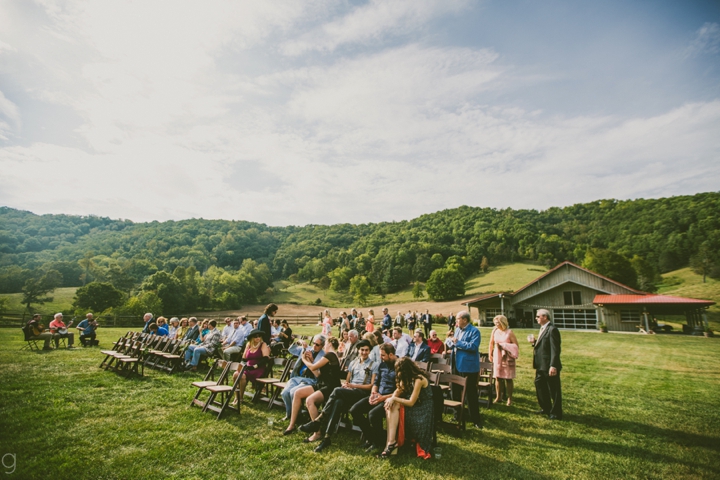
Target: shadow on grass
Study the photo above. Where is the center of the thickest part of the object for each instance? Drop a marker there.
(678, 437)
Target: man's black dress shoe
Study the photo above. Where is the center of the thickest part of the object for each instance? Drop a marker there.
(310, 427)
(323, 445)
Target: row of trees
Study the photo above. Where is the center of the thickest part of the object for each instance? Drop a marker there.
(438, 249)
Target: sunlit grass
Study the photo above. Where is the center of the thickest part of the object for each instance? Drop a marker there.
(635, 407)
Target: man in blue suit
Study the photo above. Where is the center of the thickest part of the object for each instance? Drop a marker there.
(419, 350)
(467, 362)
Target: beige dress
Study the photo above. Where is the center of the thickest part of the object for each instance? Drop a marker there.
(503, 364)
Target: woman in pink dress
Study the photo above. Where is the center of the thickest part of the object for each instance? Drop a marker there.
(327, 324)
(503, 350)
(256, 356)
(370, 324)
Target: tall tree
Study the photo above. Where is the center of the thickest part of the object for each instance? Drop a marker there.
(445, 284)
(417, 291)
(612, 265)
(35, 289)
(98, 297)
(360, 289)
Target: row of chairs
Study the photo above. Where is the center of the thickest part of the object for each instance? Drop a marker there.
(134, 351)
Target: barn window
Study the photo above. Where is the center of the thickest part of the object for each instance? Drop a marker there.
(573, 298)
(630, 316)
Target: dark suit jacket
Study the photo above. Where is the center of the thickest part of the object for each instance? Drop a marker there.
(546, 351)
(264, 327)
(193, 333)
(423, 355)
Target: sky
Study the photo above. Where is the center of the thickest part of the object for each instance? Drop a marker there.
(322, 112)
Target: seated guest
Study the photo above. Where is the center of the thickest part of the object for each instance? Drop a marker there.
(371, 338)
(360, 377)
(148, 319)
(229, 329)
(419, 350)
(60, 330)
(351, 350)
(301, 375)
(327, 372)
(236, 343)
(275, 329)
(401, 342)
(182, 329)
(204, 329)
(256, 356)
(344, 341)
(173, 328)
(162, 328)
(436, 345)
(87, 330)
(193, 330)
(374, 405)
(210, 342)
(412, 393)
(35, 330)
(449, 340)
(286, 334)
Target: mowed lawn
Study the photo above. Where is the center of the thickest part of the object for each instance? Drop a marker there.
(635, 407)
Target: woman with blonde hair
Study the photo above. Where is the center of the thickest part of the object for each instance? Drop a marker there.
(503, 351)
(182, 329)
(370, 323)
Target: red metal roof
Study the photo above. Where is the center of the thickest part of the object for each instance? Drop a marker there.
(640, 292)
(649, 299)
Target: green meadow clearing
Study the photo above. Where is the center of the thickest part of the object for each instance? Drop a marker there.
(635, 407)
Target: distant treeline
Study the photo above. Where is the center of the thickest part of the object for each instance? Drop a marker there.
(665, 233)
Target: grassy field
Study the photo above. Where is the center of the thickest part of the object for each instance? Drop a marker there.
(62, 301)
(504, 277)
(635, 407)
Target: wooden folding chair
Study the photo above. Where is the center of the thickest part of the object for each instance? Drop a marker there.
(424, 366)
(440, 368)
(278, 387)
(437, 358)
(134, 362)
(486, 384)
(153, 354)
(457, 404)
(122, 347)
(265, 382)
(227, 392)
(171, 361)
(220, 368)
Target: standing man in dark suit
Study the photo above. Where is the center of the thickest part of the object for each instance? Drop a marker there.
(546, 362)
(427, 323)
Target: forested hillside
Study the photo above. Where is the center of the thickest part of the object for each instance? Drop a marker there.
(219, 263)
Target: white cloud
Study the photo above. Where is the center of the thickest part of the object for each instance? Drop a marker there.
(371, 23)
(180, 122)
(706, 41)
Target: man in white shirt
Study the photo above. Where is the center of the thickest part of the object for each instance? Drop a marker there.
(228, 330)
(401, 342)
(236, 343)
